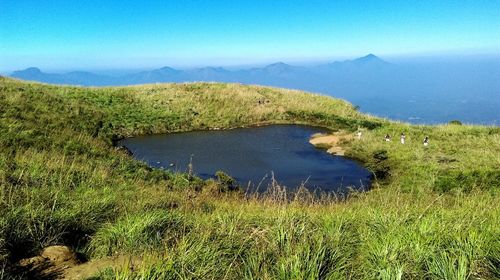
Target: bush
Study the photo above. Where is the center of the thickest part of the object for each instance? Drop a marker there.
(226, 182)
(369, 124)
(380, 167)
(467, 180)
(380, 155)
(455, 122)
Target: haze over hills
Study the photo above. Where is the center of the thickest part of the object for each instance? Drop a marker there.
(273, 74)
(424, 92)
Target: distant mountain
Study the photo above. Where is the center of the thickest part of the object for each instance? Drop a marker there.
(215, 74)
(279, 68)
(35, 74)
(28, 71)
(371, 58)
(71, 78)
(366, 63)
(164, 74)
(273, 74)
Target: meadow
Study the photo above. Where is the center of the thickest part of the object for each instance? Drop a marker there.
(432, 213)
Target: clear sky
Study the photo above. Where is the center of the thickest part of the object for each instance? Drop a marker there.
(93, 34)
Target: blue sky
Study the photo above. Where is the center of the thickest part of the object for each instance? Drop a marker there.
(139, 34)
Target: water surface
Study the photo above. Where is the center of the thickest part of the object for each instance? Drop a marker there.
(252, 156)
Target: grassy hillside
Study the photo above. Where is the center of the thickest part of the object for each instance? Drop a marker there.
(433, 212)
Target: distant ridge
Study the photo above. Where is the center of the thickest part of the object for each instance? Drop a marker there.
(273, 74)
(70, 78)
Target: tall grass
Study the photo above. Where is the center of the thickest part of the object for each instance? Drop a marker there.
(432, 213)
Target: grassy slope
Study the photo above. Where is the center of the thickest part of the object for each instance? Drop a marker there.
(435, 216)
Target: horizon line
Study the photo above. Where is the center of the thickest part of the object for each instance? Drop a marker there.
(265, 62)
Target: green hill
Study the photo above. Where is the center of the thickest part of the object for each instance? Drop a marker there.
(433, 212)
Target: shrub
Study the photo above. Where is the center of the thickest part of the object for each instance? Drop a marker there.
(226, 183)
(467, 180)
(455, 122)
(380, 167)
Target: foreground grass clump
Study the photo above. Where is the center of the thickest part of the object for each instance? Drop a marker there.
(433, 212)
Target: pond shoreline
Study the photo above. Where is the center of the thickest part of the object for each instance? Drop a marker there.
(331, 142)
(253, 151)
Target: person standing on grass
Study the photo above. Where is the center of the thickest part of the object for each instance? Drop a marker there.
(403, 137)
(426, 141)
(359, 134)
(387, 138)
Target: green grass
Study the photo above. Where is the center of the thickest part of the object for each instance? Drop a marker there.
(433, 212)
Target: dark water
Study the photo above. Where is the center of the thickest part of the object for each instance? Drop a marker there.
(251, 155)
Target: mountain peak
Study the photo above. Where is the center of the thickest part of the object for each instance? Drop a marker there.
(30, 73)
(166, 68)
(277, 64)
(30, 70)
(368, 58)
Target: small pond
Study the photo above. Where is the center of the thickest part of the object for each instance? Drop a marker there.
(252, 155)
